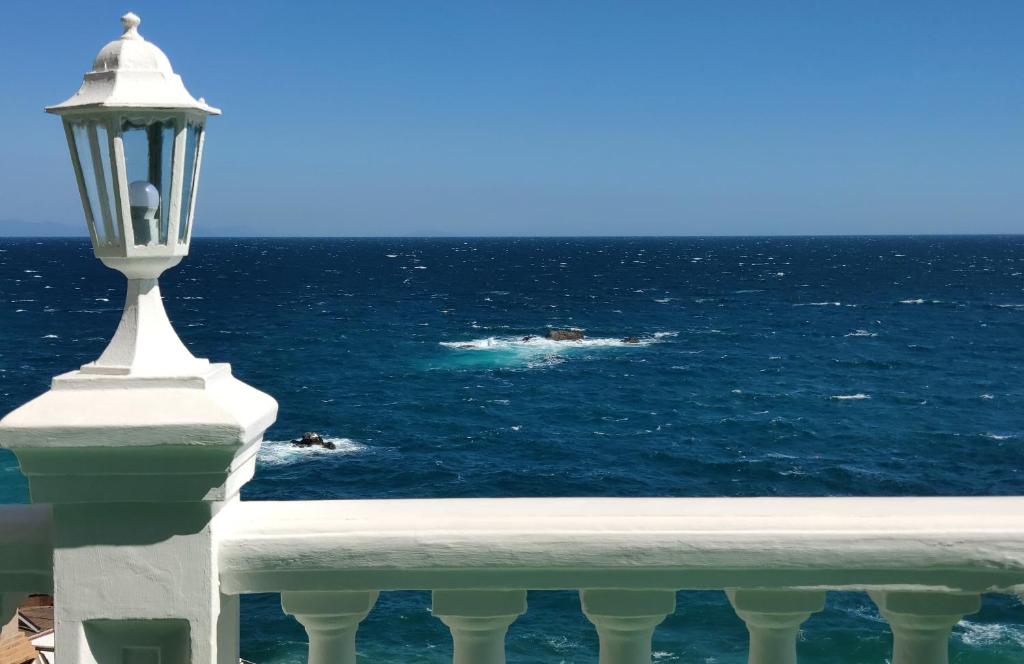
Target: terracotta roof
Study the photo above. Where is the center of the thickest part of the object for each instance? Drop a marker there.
(40, 617)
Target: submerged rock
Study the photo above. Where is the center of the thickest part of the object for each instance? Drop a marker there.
(571, 334)
(631, 340)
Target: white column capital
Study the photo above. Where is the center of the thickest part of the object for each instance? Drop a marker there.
(478, 620)
(773, 619)
(625, 621)
(331, 619)
(921, 622)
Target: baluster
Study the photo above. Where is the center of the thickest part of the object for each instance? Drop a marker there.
(921, 622)
(478, 620)
(331, 619)
(625, 621)
(773, 618)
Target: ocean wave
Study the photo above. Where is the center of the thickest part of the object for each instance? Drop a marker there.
(860, 333)
(283, 453)
(860, 396)
(535, 352)
(920, 301)
(818, 304)
(541, 344)
(997, 436)
(988, 634)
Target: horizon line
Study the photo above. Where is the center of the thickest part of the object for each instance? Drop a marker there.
(536, 237)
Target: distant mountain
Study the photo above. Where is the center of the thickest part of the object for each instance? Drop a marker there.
(15, 228)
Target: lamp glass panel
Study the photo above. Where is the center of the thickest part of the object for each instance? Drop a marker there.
(93, 150)
(148, 146)
(193, 132)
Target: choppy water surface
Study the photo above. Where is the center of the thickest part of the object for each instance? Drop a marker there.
(788, 366)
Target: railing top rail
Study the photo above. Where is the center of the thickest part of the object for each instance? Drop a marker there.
(972, 543)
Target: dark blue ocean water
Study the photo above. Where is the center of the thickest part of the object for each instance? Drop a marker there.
(786, 366)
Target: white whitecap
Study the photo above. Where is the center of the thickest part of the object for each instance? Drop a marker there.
(860, 396)
(988, 634)
(282, 452)
(532, 343)
(860, 333)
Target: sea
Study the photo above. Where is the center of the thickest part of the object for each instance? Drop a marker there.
(788, 366)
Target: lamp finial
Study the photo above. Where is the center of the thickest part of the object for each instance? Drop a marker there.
(130, 22)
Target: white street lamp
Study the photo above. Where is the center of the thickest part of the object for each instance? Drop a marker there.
(138, 451)
(136, 140)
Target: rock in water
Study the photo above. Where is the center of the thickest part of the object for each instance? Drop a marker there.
(311, 438)
(631, 340)
(571, 334)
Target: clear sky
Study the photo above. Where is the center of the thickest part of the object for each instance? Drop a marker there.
(555, 117)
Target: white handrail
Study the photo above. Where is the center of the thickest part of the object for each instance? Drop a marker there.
(956, 544)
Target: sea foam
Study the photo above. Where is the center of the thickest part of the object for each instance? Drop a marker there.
(988, 634)
(536, 343)
(283, 453)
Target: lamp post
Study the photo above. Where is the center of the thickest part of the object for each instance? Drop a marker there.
(140, 451)
(135, 136)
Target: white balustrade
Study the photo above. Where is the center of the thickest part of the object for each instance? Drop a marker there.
(923, 560)
(773, 619)
(922, 621)
(331, 619)
(625, 621)
(478, 620)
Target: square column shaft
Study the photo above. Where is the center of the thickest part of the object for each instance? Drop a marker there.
(137, 469)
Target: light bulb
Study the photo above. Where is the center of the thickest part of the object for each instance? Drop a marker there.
(144, 200)
(142, 194)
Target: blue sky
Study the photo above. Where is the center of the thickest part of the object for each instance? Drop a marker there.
(555, 117)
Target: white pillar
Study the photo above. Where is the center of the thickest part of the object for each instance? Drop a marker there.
(478, 620)
(625, 621)
(331, 619)
(921, 622)
(139, 470)
(773, 619)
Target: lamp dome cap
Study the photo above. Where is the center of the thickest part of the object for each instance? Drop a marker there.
(132, 73)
